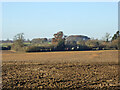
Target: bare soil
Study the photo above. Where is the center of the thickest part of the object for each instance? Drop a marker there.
(73, 69)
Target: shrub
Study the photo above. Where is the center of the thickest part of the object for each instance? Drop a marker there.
(5, 47)
(92, 43)
(18, 44)
(116, 43)
(39, 48)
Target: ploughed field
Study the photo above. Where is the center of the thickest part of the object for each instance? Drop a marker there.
(73, 69)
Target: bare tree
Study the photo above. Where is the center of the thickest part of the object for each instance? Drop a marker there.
(107, 37)
(18, 42)
(19, 36)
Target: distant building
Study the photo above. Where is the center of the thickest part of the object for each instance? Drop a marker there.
(39, 40)
(76, 38)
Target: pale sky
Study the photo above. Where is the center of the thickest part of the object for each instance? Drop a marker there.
(43, 19)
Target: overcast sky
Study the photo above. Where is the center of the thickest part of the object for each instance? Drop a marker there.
(43, 19)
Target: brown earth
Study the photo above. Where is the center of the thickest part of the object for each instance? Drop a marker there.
(73, 69)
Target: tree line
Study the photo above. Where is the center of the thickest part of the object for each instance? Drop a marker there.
(59, 44)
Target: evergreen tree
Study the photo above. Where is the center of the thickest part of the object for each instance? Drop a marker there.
(116, 35)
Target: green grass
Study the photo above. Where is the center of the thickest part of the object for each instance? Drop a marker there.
(5, 44)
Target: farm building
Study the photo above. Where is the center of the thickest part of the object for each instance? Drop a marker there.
(39, 40)
(76, 38)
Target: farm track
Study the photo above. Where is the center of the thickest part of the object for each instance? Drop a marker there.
(74, 69)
